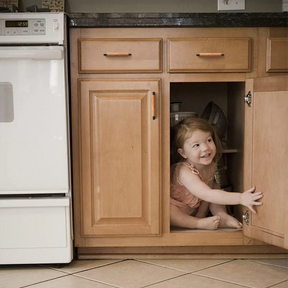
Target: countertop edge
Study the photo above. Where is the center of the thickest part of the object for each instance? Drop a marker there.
(94, 20)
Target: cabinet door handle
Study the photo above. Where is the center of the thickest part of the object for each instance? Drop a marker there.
(210, 54)
(117, 54)
(153, 103)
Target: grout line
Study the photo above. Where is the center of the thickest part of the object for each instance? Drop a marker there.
(46, 266)
(113, 285)
(269, 264)
(161, 281)
(159, 265)
(278, 283)
(85, 269)
(215, 265)
(135, 260)
(220, 280)
(223, 280)
(43, 281)
(154, 264)
(97, 281)
(173, 268)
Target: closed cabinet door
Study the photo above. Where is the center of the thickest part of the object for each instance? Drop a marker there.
(120, 171)
(266, 165)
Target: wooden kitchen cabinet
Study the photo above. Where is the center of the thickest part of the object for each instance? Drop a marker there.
(272, 51)
(266, 126)
(209, 54)
(133, 218)
(277, 55)
(119, 143)
(120, 55)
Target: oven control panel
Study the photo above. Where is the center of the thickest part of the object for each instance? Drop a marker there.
(22, 27)
(33, 28)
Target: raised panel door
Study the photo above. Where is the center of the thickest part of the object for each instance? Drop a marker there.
(119, 124)
(266, 165)
(277, 55)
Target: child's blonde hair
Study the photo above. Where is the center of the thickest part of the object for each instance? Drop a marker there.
(184, 130)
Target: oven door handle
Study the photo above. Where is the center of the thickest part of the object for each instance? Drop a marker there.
(32, 54)
(35, 202)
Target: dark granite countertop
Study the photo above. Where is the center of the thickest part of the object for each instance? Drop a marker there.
(90, 20)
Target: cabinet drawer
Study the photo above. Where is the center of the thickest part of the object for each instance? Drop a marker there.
(209, 54)
(120, 55)
(277, 55)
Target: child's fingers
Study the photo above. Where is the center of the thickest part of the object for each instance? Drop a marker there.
(257, 193)
(256, 197)
(257, 203)
(251, 189)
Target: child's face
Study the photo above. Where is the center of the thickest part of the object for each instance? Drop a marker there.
(199, 149)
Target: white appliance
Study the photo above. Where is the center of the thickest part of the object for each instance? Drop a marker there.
(35, 184)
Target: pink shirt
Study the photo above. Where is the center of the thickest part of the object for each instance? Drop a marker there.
(179, 195)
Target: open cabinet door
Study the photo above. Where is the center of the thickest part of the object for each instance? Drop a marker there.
(266, 158)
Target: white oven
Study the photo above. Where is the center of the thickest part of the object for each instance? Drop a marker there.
(35, 184)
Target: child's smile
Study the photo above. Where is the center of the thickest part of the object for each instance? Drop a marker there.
(206, 155)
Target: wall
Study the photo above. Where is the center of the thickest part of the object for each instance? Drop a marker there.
(114, 6)
(158, 6)
(285, 5)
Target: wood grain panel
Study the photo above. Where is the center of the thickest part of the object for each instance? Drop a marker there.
(119, 157)
(120, 55)
(267, 167)
(277, 55)
(222, 54)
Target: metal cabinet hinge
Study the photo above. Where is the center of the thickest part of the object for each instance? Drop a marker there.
(245, 217)
(248, 99)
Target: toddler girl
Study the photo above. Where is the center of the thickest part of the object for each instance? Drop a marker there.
(196, 149)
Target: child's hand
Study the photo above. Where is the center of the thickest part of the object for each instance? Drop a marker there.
(249, 199)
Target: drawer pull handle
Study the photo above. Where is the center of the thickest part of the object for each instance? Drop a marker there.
(117, 54)
(154, 105)
(210, 54)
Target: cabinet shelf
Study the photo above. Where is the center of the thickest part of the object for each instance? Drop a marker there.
(230, 150)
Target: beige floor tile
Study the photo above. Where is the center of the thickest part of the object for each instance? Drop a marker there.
(247, 273)
(281, 285)
(275, 262)
(70, 282)
(82, 265)
(19, 276)
(189, 280)
(187, 265)
(130, 274)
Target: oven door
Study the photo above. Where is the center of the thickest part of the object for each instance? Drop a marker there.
(33, 120)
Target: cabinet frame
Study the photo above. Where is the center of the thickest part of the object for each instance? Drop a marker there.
(198, 241)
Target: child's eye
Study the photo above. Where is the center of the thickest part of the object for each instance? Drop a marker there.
(210, 140)
(195, 146)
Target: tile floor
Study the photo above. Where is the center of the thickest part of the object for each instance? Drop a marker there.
(136, 273)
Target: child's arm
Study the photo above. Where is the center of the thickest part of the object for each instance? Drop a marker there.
(194, 184)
